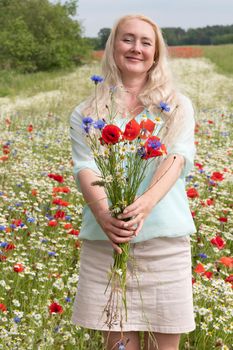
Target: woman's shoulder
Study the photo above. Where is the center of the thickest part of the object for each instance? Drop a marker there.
(186, 105)
(184, 100)
(77, 113)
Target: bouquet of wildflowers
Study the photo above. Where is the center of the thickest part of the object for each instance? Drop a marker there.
(122, 157)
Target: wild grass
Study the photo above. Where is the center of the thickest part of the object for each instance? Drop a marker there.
(221, 56)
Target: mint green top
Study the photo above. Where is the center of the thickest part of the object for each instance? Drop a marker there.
(171, 217)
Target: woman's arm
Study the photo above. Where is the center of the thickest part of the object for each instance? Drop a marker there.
(96, 199)
(164, 178)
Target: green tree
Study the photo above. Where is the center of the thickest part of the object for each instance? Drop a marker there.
(39, 35)
(103, 35)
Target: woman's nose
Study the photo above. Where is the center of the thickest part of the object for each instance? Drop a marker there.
(136, 46)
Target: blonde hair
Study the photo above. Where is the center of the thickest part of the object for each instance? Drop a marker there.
(159, 86)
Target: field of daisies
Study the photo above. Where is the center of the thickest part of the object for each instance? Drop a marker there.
(40, 213)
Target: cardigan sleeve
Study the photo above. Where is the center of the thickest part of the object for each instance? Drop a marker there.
(185, 143)
(81, 153)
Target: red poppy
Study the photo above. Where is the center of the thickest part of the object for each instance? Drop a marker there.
(199, 166)
(3, 257)
(192, 193)
(6, 149)
(227, 261)
(18, 267)
(210, 201)
(208, 274)
(3, 158)
(30, 128)
(74, 232)
(56, 177)
(67, 226)
(222, 219)
(34, 192)
(147, 127)
(229, 279)
(52, 223)
(111, 134)
(60, 202)
(218, 242)
(3, 308)
(17, 222)
(217, 176)
(60, 214)
(10, 246)
(55, 308)
(132, 130)
(64, 189)
(199, 269)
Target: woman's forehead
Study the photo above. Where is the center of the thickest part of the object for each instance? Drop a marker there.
(136, 26)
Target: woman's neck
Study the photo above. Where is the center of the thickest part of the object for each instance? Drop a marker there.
(134, 86)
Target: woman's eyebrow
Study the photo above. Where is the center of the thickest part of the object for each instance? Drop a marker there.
(143, 38)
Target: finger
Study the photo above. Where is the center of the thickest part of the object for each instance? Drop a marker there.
(118, 223)
(135, 221)
(121, 232)
(117, 239)
(139, 227)
(116, 248)
(131, 213)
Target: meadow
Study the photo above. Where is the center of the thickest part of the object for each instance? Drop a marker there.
(40, 209)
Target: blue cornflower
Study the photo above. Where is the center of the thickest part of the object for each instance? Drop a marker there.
(31, 219)
(164, 106)
(141, 152)
(56, 329)
(17, 319)
(13, 226)
(2, 228)
(44, 240)
(87, 120)
(99, 124)
(1, 193)
(51, 253)
(202, 255)
(3, 244)
(68, 217)
(97, 79)
(18, 204)
(68, 299)
(155, 144)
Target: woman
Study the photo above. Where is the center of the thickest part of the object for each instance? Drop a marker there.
(160, 222)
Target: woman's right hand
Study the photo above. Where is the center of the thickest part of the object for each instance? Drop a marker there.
(114, 229)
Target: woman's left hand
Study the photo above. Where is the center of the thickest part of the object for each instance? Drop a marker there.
(137, 211)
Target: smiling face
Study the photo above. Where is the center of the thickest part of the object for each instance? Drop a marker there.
(134, 48)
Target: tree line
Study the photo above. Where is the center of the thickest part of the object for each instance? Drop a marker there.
(39, 35)
(210, 35)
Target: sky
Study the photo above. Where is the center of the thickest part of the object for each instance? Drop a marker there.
(97, 14)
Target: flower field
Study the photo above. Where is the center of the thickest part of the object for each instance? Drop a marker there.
(40, 216)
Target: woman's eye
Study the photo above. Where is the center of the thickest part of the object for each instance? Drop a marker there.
(127, 40)
(147, 44)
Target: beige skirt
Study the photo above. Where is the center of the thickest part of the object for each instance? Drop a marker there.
(159, 286)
